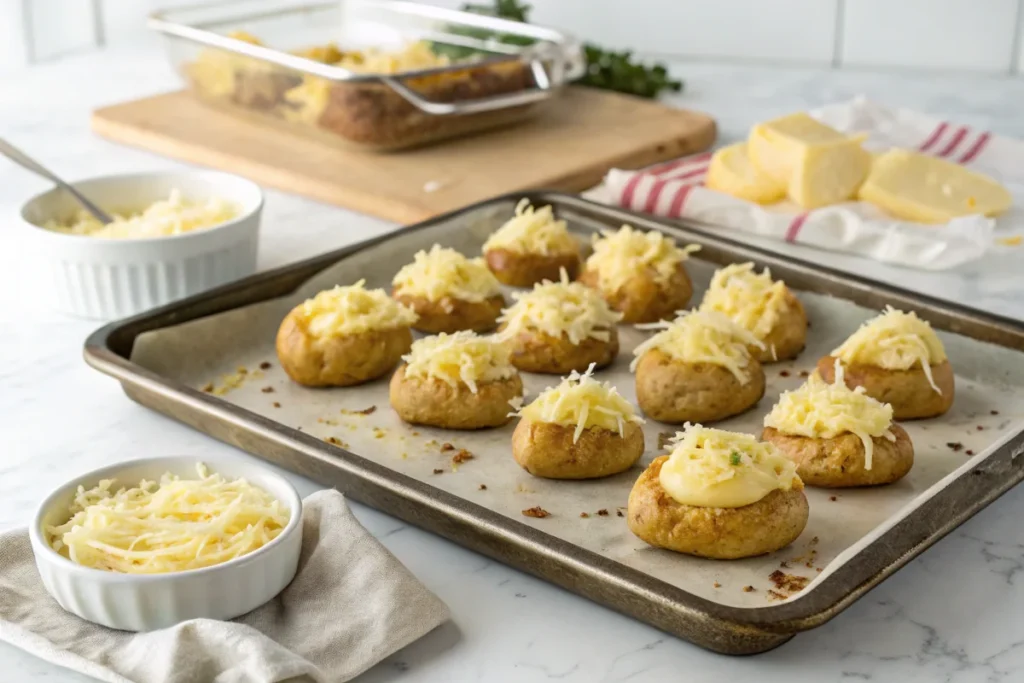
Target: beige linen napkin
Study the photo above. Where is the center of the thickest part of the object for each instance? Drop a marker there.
(350, 605)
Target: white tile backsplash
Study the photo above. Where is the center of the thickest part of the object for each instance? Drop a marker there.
(938, 34)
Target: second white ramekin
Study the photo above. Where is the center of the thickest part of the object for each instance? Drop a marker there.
(105, 278)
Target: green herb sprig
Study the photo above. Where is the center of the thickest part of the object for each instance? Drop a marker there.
(735, 458)
(606, 69)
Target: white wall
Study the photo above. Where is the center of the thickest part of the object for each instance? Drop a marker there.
(975, 35)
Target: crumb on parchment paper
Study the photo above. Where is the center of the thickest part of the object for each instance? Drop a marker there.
(585, 515)
(462, 456)
(536, 512)
(776, 595)
(365, 411)
(438, 471)
(716, 584)
(790, 583)
(267, 390)
(482, 487)
(265, 365)
(748, 589)
(276, 404)
(445, 447)
(602, 513)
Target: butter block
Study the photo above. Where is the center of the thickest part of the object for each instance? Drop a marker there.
(776, 146)
(732, 172)
(924, 189)
(829, 173)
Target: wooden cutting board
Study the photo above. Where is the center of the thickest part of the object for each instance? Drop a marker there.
(569, 145)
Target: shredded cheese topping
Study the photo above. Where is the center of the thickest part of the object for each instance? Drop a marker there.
(619, 256)
(895, 341)
(353, 309)
(460, 358)
(171, 526)
(702, 337)
(533, 231)
(172, 216)
(561, 308)
(720, 469)
(441, 273)
(582, 402)
(753, 301)
(820, 410)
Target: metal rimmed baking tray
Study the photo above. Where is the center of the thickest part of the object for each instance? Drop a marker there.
(501, 69)
(171, 359)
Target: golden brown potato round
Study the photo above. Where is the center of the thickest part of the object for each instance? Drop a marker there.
(534, 351)
(450, 314)
(771, 523)
(907, 391)
(839, 462)
(517, 269)
(788, 335)
(430, 401)
(643, 299)
(338, 361)
(547, 450)
(672, 391)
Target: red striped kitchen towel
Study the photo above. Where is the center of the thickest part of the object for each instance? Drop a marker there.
(676, 190)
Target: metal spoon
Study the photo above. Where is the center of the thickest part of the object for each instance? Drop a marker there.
(28, 163)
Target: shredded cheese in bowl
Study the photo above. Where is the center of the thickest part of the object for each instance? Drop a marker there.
(895, 341)
(582, 402)
(533, 231)
(460, 358)
(353, 309)
(702, 337)
(561, 308)
(441, 273)
(720, 469)
(820, 410)
(752, 301)
(171, 526)
(619, 256)
(167, 217)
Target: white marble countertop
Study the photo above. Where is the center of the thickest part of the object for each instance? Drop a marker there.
(951, 615)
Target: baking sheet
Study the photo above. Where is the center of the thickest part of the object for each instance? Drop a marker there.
(209, 352)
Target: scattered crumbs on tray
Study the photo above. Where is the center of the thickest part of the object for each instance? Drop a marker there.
(276, 404)
(584, 515)
(602, 513)
(790, 583)
(784, 373)
(804, 373)
(818, 569)
(352, 428)
(267, 390)
(379, 433)
(208, 387)
(365, 411)
(522, 488)
(619, 513)
(775, 595)
(784, 564)
(431, 443)
(405, 456)
(335, 441)
(256, 374)
(969, 452)
(241, 370)
(445, 447)
(833, 498)
(228, 382)
(438, 471)
(481, 487)
(327, 421)
(716, 584)
(955, 446)
(814, 541)
(265, 365)
(980, 428)
(415, 433)
(663, 439)
(748, 589)
(462, 456)
(536, 512)
(994, 412)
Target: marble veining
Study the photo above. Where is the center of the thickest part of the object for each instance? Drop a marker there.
(951, 615)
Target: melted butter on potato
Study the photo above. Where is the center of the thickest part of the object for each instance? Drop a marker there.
(702, 337)
(351, 310)
(895, 341)
(582, 402)
(721, 469)
(618, 256)
(441, 273)
(463, 357)
(533, 231)
(820, 410)
(751, 300)
(561, 308)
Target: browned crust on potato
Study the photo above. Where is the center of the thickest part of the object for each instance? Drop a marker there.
(450, 314)
(433, 402)
(839, 462)
(547, 450)
(771, 523)
(339, 361)
(788, 335)
(534, 351)
(517, 269)
(669, 390)
(907, 391)
(643, 299)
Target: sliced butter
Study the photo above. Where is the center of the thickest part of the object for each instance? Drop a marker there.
(732, 172)
(776, 146)
(921, 188)
(829, 173)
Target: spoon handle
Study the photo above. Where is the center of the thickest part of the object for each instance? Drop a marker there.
(30, 164)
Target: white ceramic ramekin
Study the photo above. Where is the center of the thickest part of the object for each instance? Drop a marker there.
(146, 602)
(104, 278)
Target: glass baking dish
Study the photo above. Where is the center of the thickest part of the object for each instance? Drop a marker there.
(381, 75)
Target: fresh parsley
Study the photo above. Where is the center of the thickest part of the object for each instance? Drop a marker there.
(735, 458)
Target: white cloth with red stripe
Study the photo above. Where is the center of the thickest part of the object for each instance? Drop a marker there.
(675, 190)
